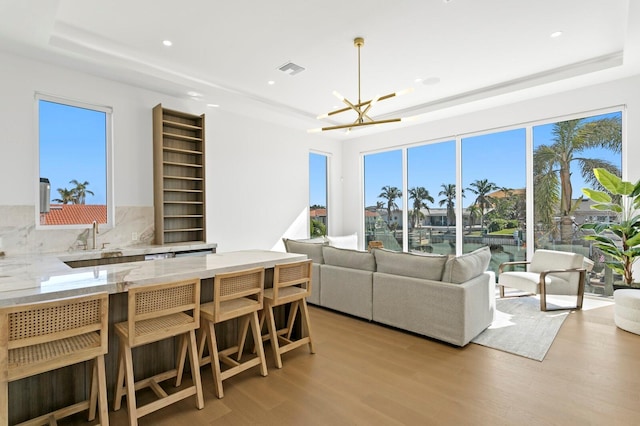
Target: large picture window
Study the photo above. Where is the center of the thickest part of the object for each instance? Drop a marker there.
(383, 191)
(318, 211)
(74, 142)
(515, 191)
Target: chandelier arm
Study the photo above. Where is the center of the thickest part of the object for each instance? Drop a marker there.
(366, 123)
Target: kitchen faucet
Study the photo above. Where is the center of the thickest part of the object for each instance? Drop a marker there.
(95, 234)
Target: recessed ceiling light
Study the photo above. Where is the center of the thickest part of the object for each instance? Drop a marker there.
(556, 34)
(213, 105)
(418, 80)
(194, 94)
(167, 43)
(271, 82)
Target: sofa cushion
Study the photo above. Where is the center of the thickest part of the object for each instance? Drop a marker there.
(349, 258)
(428, 267)
(462, 268)
(312, 250)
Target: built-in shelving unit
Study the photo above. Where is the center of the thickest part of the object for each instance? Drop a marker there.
(179, 178)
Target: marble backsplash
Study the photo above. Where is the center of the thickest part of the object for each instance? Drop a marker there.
(18, 233)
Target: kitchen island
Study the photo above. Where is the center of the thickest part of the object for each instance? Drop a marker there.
(25, 279)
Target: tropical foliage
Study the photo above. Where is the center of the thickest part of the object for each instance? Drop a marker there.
(552, 167)
(420, 196)
(391, 194)
(449, 194)
(482, 188)
(620, 241)
(76, 195)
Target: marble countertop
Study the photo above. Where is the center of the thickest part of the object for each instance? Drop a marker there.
(29, 278)
(133, 251)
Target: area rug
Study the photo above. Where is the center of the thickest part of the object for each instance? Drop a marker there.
(520, 328)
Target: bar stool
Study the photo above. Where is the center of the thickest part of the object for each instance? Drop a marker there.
(235, 295)
(291, 285)
(45, 336)
(158, 312)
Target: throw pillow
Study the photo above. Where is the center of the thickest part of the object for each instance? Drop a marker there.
(462, 268)
(345, 241)
(424, 266)
(347, 258)
(312, 250)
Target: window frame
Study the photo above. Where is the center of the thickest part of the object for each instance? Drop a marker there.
(109, 170)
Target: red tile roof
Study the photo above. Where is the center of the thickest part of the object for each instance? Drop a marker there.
(317, 212)
(68, 214)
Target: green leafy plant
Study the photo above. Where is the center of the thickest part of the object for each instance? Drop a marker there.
(623, 198)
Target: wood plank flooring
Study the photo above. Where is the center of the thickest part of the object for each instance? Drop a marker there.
(367, 374)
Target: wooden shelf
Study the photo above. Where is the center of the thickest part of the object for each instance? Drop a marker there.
(179, 184)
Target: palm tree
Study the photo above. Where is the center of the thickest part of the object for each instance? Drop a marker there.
(474, 212)
(419, 195)
(449, 194)
(66, 196)
(481, 188)
(390, 193)
(552, 165)
(80, 191)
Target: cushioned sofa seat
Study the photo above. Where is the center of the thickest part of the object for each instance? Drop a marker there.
(453, 313)
(346, 281)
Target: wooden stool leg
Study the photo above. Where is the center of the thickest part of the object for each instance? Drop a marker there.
(307, 324)
(119, 393)
(195, 367)
(182, 353)
(257, 337)
(202, 338)
(215, 360)
(4, 402)
(293, 311)
(131, 385)
(242, 334)
(93, 398)
(273, 336)
(102, 391)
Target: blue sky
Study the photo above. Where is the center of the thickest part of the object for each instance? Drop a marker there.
(498, 157)
(72, 146)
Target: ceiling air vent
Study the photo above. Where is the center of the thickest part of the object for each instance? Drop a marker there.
(291, 68)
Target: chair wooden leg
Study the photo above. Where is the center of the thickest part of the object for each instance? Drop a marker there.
(501, 291)
(131, 386)
(202, 338)
(93, 397)
(180, 360)
(307, 324)
(103, 405)
(215, 360)
(4, 402)
(293, 312)
(257, 337)
(195, 368)
(583, 278)
(242, 334)
(273, 335)
(119, 392)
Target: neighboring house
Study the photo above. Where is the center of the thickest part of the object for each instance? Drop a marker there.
(319, 214)
(73, 214)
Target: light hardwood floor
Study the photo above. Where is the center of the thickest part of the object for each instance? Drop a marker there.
(367, 374)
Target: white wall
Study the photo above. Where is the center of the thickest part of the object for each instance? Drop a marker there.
(621, 92)
(257, 172)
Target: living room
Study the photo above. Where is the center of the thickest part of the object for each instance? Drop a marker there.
(257, 187)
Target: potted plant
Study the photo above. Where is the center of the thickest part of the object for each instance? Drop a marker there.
(623, 198)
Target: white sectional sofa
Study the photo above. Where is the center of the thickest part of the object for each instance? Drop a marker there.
(448, 298)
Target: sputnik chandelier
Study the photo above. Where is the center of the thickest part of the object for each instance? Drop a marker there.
(361, 108)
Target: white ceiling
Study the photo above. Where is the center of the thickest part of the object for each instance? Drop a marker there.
(227, 51)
